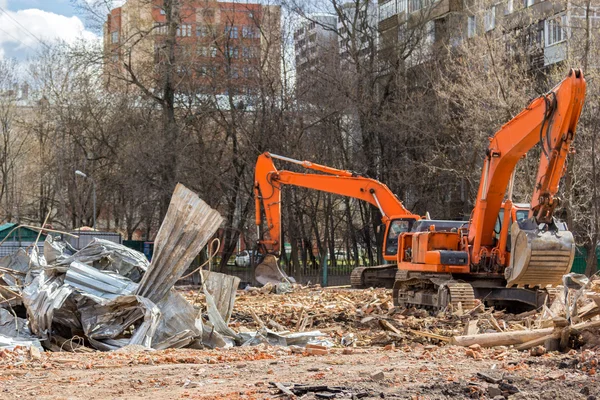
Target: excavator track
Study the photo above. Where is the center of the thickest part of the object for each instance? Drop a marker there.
(461, 293)
(377, 276)
(434, 291)
(356, 278)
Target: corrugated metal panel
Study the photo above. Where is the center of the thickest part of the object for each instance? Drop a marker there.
(186, 229)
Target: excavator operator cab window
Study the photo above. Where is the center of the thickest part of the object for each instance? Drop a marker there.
(521, 215)
(397, 227)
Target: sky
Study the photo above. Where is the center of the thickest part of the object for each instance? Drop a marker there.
(26, 24)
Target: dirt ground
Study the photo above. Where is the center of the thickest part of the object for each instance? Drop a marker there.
(409, 372)
(392, 354)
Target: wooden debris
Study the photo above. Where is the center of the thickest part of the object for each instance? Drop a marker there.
(431, 335)
(501, 339)
(471, 327)
(389, 327)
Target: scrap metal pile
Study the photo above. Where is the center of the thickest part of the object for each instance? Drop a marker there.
(106, 296)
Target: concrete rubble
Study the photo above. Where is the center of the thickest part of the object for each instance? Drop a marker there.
(106, 296)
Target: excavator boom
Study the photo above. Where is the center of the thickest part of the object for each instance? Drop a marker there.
(268, 182)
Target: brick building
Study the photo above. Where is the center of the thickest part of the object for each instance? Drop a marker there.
(220, 46)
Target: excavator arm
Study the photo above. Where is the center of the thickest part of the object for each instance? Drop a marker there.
(550, 120)
(268, 182)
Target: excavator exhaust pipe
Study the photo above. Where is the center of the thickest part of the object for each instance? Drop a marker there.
(539, 257)
(268, 271)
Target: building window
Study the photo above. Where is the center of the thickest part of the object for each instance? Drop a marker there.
(162, 11)
(250, 32)
(233, 52)
(231, 31)
(416, 5)
(247, 72)
(509, 7)
(203, 51)
(471, 26)
(235, 73)
(489, 20)
(114, 37)
(388, 9)
(184, 30)
(202, 31)
(245, 52)
(213, 52)
(160, 28)
(555, 29)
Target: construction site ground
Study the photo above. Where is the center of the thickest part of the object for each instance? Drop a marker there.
(377, 353)
(411, 372)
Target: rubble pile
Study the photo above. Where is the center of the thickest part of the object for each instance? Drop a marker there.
(357, 318)
(106, 296)
(363, 318)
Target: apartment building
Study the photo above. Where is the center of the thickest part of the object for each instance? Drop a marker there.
(315, 47)
(357, 31)
(546, 32)
(220, 46)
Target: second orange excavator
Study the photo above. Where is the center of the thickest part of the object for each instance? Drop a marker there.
(267, 189)
(506, 254)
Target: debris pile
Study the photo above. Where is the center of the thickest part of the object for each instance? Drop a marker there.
(106, 296)
(362, 318)
(351, 318)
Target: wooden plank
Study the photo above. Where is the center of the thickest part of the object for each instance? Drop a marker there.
(389, 327)
(431, 335)
(500, 338)
(471, 328)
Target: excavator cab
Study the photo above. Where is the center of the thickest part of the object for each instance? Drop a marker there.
(395, 228)
(519, 212)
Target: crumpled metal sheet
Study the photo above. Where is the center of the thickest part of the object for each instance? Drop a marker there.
(223, 289)
(116, 297)
(42, 297)
(105, 255)
(18, 264)
(177, 326)
(9, 343)
(215, 318)
(187, 227)
(100, 285)
(105, 323)
(56, 250)
(13, 326)
(267, 336)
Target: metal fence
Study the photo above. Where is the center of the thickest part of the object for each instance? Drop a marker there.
(85, 237)
(8, 248)
(580, 261)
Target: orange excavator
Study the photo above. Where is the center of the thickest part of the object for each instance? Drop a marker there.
(267, 189)
(506, 254)
(494, 257)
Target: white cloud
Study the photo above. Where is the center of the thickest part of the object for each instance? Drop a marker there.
(46, 26)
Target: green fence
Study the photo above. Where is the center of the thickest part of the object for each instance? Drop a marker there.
(579, 262)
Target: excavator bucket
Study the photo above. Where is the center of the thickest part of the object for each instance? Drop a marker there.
(268, 271)
(539, 258)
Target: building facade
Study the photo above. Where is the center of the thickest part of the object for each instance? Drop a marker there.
(357, 31)
(315, 48)
(221, 47)
(543, 31)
